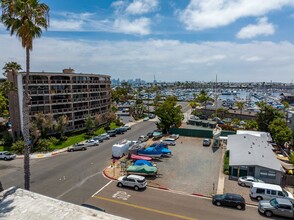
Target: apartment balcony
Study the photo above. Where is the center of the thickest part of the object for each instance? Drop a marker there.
(80, 108)
(39, 102)
(39, 92)
(33, 82)
(81, 100)
(61, 101)
(98, 106)
(95, 90)
(80, 117)
(45, 112)
(62, 110)
(60, 81)
(60, 91)
(79, 90)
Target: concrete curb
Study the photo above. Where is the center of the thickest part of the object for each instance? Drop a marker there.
(44, 155)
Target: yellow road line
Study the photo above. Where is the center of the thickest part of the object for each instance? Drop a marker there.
(144, 208)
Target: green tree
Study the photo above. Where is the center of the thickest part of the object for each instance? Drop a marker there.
(90, 125)
(169, 114)
(44, 123)
(13, 68)
(291, 159)
(280, 132)
(61, 125)
(266, 115)
(25, 18)
(98, 120)
(240, 106)
(108, 118)
(203, 98)
(137, 111)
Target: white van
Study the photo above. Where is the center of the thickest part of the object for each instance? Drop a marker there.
(169, 141)
(265, 191)
(121, 148)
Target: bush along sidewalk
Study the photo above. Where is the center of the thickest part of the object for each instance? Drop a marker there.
(226, 163)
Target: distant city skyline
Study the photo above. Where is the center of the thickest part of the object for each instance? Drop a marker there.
(188, 40)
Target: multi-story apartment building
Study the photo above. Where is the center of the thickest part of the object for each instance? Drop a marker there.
(76, 95)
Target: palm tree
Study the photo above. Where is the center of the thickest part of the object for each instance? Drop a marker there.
(10, 71)
(61, 125)
(203, 98)
(26, 19)
(240, 106)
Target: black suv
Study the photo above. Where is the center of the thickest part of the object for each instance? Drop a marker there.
(111, 133)
(229, 199)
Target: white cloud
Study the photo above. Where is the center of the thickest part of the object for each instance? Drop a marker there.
(142, 7)
(261, 28)
(174, 60)
(204, 14)
(139, 26)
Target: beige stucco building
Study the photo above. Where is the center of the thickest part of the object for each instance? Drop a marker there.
(76, 95)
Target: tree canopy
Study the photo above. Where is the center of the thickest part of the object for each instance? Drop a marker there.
(169, 114)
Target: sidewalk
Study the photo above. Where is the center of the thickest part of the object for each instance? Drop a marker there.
(56, 152)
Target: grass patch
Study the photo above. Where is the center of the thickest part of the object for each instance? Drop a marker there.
(79, 138)
(1, 148)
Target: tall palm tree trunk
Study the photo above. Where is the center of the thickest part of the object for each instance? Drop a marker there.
(26, 124)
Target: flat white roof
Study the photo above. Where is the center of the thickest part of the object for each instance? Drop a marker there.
(16, 203)
(267, 186)
(250, 150)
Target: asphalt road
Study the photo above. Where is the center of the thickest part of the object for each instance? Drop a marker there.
(164, 205)
(72, 177)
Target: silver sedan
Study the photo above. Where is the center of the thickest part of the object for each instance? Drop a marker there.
(248, 180)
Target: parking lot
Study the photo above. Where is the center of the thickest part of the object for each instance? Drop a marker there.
(192, 168)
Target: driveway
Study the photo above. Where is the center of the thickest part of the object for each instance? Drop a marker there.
(192, 168)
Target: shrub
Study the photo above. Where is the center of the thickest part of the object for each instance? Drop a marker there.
(43, 145)
(53, 140)
(18, 147)
(226, 162)
(7, 139)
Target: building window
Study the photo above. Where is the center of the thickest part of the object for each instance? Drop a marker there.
(267, 174)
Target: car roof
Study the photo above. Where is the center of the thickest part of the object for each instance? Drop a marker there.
(234, 195)
(284, 201)
(133, 176)
(267, 186)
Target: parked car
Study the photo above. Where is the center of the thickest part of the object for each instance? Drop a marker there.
(151, 116)
(174, 136)
(127, 126)
(143, 138)
(123, 128)
(76, 147)
(98, 138)
(229, 199)
(169, 141)
(276, 206)
(248, 180)
(119, 131)
(105, 136)
(5, 155)
(92, 142)
(111, 133)
(149, 134)
(135, 181)
(206, 142)
(146, 119)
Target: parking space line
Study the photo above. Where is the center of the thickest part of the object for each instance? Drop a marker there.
(144, 208)
(102, 188)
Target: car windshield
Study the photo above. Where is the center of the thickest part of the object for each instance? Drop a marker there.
(8, 153)
(141, 181)
(285, 193)
(273, 202)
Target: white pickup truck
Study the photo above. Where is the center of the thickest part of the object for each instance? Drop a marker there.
(277, 206)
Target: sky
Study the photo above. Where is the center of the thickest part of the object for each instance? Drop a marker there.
(169, 40)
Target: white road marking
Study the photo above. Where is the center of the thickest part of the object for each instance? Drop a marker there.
(121, 195)
(102, 188)
(78, 184)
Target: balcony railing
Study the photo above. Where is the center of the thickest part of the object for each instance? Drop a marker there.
(39, 102)
(62, 110)
(80, 108)
(38, 92)
(61, 101)
(37, 81)
(58, 91)
(60, 81)
(79, 90)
